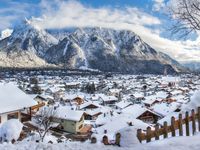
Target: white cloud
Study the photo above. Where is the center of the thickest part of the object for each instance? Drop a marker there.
(62, 14)
(158, 4)
(13, 11)
(73, 13)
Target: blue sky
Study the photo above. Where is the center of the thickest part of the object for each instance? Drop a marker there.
(144, 17)
(28, 8)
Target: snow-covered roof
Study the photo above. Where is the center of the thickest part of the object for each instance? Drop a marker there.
(86, 104)
(136, 110)
(68, 114)
(123, 104)
(12, 98)
(138, 95)
(164, 108)
(151, 99)
(93, 112)
(73, 96)
(108, 98)
(115, 90)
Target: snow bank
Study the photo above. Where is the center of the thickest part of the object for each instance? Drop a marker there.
(176, 143)
(194, 102)
(11, 130)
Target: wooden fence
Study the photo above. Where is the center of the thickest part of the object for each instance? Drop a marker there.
(192, 118)
(106, 141)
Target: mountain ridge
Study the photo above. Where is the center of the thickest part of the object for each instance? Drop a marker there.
(96, 48)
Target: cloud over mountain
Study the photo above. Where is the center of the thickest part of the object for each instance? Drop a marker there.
(72, 13)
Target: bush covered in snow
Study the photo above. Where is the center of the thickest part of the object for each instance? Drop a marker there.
(10, 130)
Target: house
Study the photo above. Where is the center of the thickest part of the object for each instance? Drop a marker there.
(149, 116)
(149, 103)
(166, 108)
(108, 100)
(69, 120)
(14, 102)
(55, 91)
(89, 105)
(142, 113)
(114, 92)
(92, 114)
(46, 99)
(78, 100)
(72, 85)
(137, 97)
(91, 110)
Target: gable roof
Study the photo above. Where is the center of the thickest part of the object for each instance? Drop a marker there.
(86, 104)
(123, 104)
(12, 98)
(137, 110)
(68, 114)
(106, 98)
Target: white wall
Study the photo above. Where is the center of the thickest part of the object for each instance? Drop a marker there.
(3, 118)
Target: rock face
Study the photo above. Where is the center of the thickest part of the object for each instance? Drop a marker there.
(96, 48)
(26, 47)
(109, 50)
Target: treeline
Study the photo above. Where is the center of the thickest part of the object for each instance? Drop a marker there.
(50, 71)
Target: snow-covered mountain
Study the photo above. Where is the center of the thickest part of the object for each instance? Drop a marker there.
(26, 46)
(96, 48)
(5, 33)
(109, 50)
(193, 65)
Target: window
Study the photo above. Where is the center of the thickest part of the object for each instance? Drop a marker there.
(13, 116)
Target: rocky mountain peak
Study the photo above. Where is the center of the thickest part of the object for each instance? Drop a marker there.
(104, 49)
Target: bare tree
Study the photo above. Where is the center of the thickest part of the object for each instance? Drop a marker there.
(44, 119)
(186, 14)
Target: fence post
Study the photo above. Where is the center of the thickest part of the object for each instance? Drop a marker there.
(105, 140)
(93, 140)
(173, 126)
(139, 133)
(165, 130)
(157, 133)
(193, 121)
(148, 134)
(199, 118)
(117, 140)
(187, 123)
(180, 125)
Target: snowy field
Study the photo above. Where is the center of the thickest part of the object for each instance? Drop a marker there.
(178, 143)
